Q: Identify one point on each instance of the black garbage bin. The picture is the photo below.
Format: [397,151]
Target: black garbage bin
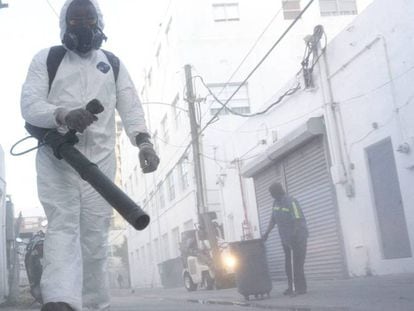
[252,273]
[171,272]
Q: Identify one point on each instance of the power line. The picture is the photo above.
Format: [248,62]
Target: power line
[244,82]
[257,66]
[248,53]
[53,9]
[289,92]
[404,73]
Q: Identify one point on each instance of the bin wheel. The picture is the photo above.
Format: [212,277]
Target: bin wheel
[188,283]
[208,281]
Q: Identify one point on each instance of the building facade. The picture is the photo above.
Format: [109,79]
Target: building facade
[4,290]
[222,41]
[343,148]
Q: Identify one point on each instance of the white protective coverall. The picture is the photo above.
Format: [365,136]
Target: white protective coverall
[75,248]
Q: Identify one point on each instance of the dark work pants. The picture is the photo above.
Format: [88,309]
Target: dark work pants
[296,254]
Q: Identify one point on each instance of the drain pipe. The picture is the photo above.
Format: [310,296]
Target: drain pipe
[342,168]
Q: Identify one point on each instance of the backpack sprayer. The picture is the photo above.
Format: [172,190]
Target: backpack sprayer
[63,148]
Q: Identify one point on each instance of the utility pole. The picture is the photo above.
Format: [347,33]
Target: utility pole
[195,141]
[202,209]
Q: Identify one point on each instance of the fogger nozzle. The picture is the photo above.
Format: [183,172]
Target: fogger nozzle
[63,148]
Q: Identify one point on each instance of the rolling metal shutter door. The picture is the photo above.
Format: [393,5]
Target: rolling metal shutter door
[308,180]
[274,252]
[306,176]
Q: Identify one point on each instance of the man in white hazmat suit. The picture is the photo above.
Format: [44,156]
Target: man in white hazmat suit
[75,249]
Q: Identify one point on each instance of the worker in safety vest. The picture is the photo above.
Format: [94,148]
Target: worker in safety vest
[293,232]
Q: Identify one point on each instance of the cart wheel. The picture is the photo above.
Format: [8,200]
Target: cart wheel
[188,283]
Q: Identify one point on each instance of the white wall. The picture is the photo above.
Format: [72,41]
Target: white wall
[3,259]
[371,71]
[214,50]
[382,74]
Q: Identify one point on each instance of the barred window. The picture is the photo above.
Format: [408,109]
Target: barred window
[338,7]
[291,8]
[226,12]
[239,103]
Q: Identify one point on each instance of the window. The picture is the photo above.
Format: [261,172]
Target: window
[149,77]
[142,92]
[137,251]
[338,7]
[239,103]
[131,184]
[156,250]
[184,173]
[188,225]
[136,175]
[167,29]
[149,254]
[143,254]
[171,186]
[175,246]
[226,12]
[161,195]
[155,141]
[165,246]
[176,111]
[157,55]
[164,128]
[291,8]
[151,204]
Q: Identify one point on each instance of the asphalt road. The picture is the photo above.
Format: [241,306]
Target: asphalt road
[134,303]
[154,304]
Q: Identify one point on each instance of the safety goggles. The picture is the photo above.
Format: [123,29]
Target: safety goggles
[82,21]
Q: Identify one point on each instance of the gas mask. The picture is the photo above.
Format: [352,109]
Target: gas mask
[82,32]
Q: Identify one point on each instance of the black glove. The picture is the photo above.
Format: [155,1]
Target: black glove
[148,159]
[77,119]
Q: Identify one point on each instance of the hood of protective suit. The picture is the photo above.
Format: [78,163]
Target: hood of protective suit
[62,21]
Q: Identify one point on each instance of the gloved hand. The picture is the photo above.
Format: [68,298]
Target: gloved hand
[265,236]
[148,159]
[77,119]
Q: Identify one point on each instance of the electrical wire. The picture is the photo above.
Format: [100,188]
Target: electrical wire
[404,73]
[258,65]
[289,92]
[247,54]
[213,119]
[370,132]
[53,9]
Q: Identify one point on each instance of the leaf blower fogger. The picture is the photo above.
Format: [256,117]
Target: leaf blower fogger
[63,148]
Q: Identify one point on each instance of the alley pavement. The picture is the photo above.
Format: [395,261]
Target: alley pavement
[376,293]
[393,292]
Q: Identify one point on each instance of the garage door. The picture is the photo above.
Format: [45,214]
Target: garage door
[304,173]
